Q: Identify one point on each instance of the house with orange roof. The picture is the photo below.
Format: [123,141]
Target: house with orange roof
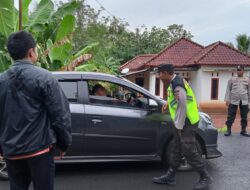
[206,68]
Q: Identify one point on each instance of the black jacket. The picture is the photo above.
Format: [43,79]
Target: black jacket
[34,112]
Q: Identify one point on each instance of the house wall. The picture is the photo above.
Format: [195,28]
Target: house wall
[224,74]
[161,89]
[131,78]
[207,74]
[152,82]
[195,83]
[205,85]
[200,81]
[146,80]
[144,75]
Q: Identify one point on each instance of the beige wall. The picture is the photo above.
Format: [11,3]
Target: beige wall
[131,78]
[146,80]
[144,75]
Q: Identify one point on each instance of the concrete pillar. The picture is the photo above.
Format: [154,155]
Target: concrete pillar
[152,81]
[161,89]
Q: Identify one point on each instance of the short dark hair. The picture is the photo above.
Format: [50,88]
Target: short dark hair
[19,44]
[97,87]
[165,67]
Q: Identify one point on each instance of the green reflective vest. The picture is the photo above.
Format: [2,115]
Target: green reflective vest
[192,109]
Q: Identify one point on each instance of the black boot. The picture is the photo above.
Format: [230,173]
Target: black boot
[168,178]
[245,133]
[205,180]
[228,133]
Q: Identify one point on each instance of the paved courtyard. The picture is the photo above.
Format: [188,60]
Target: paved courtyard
[230,172]
[219,120]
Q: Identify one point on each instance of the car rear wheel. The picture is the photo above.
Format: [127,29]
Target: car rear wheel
[185,166]
[3,171]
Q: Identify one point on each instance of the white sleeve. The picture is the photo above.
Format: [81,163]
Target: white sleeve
[181,112]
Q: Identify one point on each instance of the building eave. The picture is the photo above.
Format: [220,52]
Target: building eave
[186,68]
[135,72]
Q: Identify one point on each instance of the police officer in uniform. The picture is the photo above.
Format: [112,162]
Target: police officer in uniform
[238,94]
[184,113]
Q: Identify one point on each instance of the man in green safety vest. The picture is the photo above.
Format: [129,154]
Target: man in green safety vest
[182,106]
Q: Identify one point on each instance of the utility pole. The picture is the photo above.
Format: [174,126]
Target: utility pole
[20,15]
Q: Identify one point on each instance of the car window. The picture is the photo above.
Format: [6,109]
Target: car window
[70,90]
[111,94]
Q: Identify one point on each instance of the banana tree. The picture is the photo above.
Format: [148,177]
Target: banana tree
[103,65]
[8,23]
[52,29]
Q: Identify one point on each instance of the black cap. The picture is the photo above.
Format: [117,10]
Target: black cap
[166,67]
[240,67]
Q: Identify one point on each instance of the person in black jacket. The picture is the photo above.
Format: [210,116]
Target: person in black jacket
[34,117]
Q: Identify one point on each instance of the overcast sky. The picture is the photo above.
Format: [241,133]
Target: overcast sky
[208,20]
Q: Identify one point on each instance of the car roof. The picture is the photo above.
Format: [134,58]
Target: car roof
[80,75]
[75,75]
[71,75]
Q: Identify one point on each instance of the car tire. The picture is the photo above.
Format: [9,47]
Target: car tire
[3,171]
[184,166]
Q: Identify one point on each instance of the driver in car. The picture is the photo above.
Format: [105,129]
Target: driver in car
[132,99]
[99,90]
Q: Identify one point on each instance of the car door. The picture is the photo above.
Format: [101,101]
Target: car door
[71,89]
[116,129]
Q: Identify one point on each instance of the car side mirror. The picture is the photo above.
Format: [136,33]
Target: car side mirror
[153,105]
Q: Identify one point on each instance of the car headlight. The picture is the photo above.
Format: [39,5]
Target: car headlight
[205,121]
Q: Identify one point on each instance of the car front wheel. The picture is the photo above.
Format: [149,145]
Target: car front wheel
[185,166]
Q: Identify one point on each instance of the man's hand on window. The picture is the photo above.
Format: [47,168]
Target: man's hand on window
[164,108]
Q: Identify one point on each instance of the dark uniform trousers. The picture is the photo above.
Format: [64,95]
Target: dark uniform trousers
[232,110]
[40,170]
[185,145]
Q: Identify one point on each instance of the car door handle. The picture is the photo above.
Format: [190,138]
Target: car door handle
[95,121]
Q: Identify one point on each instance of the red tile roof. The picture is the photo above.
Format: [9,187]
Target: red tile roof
[186,53]
[202,53]
[177,53]
[220,54]
[137,63]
